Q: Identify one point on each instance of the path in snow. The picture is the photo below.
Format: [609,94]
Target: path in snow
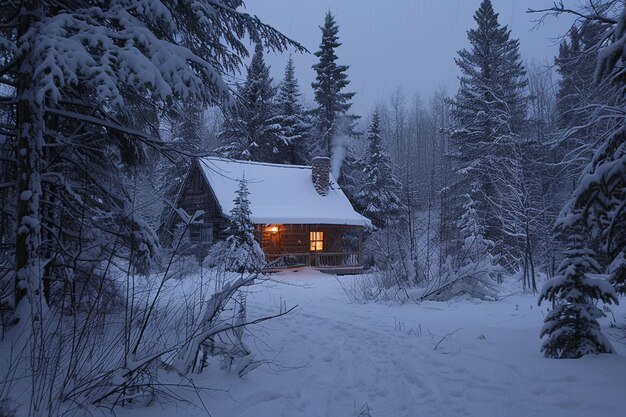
[331,358]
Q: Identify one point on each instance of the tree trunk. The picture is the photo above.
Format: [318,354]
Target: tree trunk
[30,127]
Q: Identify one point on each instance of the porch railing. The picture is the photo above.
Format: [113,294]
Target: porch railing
[337,260]
[320,260]
[287,260]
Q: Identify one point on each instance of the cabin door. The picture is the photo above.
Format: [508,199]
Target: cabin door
[275,242]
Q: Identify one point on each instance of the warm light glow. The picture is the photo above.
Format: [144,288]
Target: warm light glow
[273,229]
[317,241]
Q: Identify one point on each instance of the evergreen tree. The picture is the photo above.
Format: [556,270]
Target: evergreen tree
[351,174]
[596,208]
[290,116]
[571,79]
[240,252]
[189,135]
[598,201]
[84,115]
[474,272]
[571,327]
[330,82]
[581,101]
[489,111]
[379,194]
[249,131]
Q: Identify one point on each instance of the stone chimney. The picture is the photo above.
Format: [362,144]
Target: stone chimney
[321,174]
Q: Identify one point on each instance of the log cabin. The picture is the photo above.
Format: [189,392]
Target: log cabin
[301,215]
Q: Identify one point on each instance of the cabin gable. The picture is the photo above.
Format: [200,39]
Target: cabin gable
[196,194]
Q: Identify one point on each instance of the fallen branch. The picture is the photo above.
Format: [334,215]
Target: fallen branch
[445,337]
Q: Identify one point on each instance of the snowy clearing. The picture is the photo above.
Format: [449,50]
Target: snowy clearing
[461,358]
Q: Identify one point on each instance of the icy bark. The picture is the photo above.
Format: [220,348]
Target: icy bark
[30,142]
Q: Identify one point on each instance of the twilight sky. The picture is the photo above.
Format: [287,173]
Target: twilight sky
[407,43]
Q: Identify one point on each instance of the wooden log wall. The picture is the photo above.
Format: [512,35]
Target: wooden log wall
[295,238]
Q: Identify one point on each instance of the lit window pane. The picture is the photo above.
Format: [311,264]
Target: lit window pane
[317,241]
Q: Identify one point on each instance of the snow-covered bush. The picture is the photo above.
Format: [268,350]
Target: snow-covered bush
[473,270]
[375,286]
[234,257]
[126,356]
[472,279]
[186,266]
[397,268]
[390,269]
[470,271]
[386,249]
[218,332]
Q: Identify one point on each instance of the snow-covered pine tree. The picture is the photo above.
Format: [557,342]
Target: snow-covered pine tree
[597,207]
[295,126]
[249,130]
[571,79]
[598,202]
[240,252]
[571,327]
[379,194]
[489,110]
[474,272]
[582,102]
[329,86]
[98,101]
[351,173]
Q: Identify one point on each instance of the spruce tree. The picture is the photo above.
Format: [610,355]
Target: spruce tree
[240,252]
[83,90]
[351,175]
[595,213]
[329,86]
[600,193]
[248,130]
[294,124]
[580,99]
[379,194]
[571,327]
[571,81]
[474,272]
[489,111]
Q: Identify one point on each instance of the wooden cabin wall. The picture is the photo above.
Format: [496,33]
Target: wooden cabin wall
[291,238]
[294,238]
[197,195]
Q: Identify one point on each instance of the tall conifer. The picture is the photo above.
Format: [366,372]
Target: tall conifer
[329,86]
[489,111]
[379,194]
[294,124]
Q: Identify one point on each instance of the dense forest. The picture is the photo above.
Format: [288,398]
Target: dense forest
[519,175]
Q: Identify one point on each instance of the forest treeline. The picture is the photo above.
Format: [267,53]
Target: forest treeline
[522,171]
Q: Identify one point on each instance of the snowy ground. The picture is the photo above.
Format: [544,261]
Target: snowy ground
[462,358]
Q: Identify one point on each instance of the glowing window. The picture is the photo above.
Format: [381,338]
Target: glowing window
[317,241]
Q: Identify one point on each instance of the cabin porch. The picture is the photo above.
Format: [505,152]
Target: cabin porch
[329,248]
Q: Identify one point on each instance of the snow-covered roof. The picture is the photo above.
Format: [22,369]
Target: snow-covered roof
[279,194]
